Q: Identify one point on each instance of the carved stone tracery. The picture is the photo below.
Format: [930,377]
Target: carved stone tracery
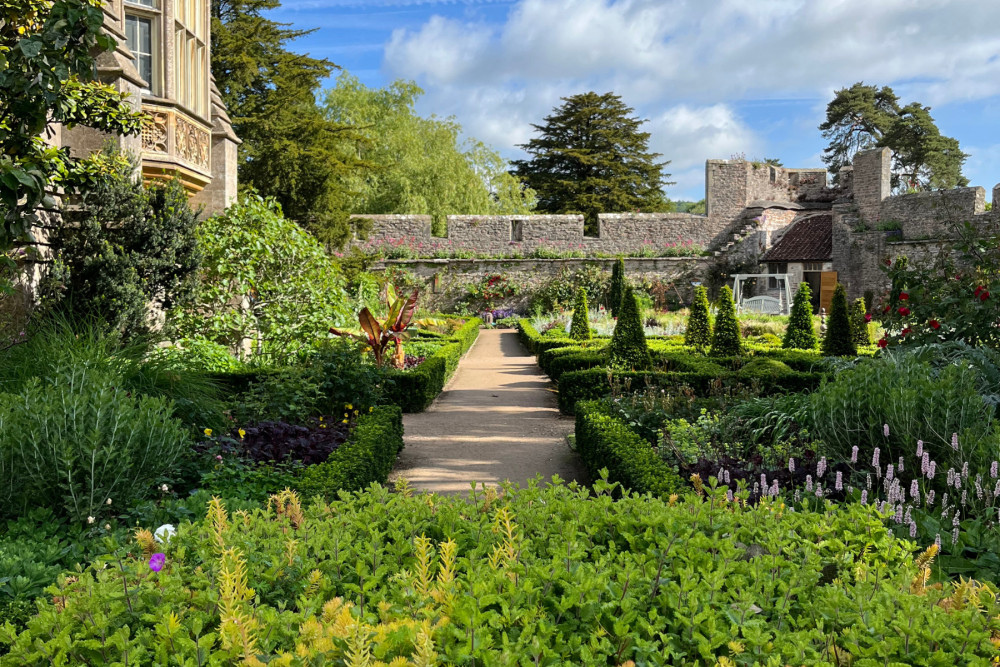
[193,143]
[154,134]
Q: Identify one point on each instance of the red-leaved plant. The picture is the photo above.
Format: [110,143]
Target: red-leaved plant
[378,336]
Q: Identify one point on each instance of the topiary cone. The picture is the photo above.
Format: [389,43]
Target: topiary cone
[699,323]
[617,288]
[628,347]
[839,338]
[580,328]
[800,334]
[726,339]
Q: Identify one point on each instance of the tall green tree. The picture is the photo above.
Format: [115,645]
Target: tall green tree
[617,287]
[839,338]
[591,157]
[291,150]
[800,333]
[418,165]
[47,76]
[698,333]
[726,339]
[864,116]
[628,348]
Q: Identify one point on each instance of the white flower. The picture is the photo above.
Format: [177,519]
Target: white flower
[108,501]
[107,526]
[164,532]
[90,519]
[164,488]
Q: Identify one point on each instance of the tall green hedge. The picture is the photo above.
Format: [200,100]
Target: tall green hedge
[839,338]
[628,348]
[726,339]
[580,328]
[617,288]
[699,323]
[800,334]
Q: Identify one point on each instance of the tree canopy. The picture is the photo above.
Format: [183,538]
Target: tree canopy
[291,150]
[863,116]
[591,157]
[47,75]
[419,165]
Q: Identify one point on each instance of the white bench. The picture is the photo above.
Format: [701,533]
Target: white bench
[762,304]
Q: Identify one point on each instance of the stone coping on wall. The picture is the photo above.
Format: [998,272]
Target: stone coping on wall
[640,263]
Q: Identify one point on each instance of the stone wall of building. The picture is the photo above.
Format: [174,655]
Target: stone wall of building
[934,214]
[625,233]
[444,282]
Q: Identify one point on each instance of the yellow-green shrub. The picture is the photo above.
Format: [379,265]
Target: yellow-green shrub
[540,576]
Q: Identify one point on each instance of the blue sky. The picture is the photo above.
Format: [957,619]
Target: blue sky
[715,78]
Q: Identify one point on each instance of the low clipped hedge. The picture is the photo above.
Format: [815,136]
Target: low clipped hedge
[604,441]
[366,458]
[414,390]
[592,383]
[546,576]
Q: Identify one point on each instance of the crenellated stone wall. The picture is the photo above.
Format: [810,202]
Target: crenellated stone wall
[620,233]
[924,215]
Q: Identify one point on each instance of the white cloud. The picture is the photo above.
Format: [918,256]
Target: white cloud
[685,63]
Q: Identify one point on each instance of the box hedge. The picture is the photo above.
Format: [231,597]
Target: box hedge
[415,389]
[605,442]
[366,458]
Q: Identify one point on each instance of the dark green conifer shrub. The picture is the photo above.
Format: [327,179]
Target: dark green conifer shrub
[860,324]
[699,323]
[628,347]
[617,290]
[580,329]
[839,338]
[800,334]
[726,339]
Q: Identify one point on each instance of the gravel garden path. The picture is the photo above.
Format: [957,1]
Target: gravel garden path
[496,420]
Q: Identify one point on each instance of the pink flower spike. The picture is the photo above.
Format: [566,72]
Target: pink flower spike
[885,430]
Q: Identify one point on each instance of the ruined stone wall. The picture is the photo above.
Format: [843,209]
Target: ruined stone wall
[871,182]
[625,233]
[445,281]
[935,214]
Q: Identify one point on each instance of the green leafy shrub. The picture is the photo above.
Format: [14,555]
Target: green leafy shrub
[57,342]
[859,323]
[78,438]
[201,354]
[800,333]
[382,575]
[560,291]
[124,246]
[628,348]
[915,400]
[606,442]
[580,329]
[616,290]
[764,368]
[839,338]
[698,333]
[726,340]
[264,281]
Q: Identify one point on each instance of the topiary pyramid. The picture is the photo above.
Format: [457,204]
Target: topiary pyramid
[862,336]
[617,288]
[628,347]
[580,328]
[699,324]
[726,339]
[839,338]
[800,334]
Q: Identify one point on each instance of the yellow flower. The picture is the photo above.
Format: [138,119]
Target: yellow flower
[321,419]
[208,432]
[242,433]
[355,413]
[371,409]
[350,407]
[345,421]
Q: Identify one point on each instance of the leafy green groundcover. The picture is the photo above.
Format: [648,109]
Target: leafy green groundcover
[550,576]
[414,390]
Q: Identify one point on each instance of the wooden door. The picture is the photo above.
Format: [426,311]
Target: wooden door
[827,283]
